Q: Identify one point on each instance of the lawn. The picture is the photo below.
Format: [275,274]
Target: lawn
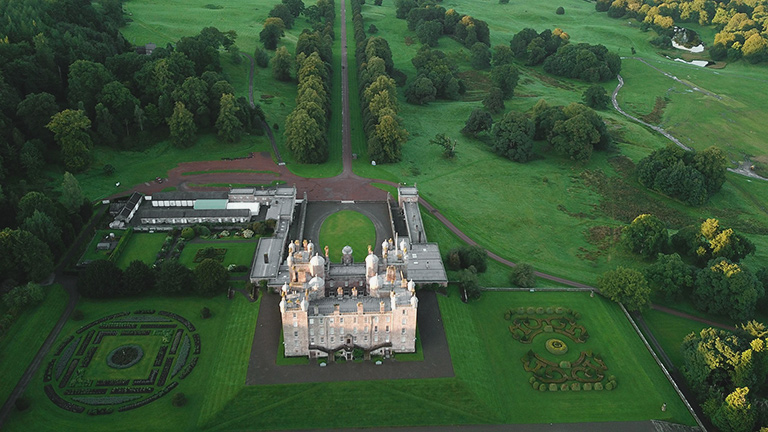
[100,370]
[142,247]
[670,330]
[238,252]
[19,345]
[344,228]
[220,373]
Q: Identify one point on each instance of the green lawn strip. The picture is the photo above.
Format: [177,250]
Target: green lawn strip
[642,386]
[230,365]
[282,360]
[670,330]
[386,403]
[187,173]
[21,341]
[142,247]
[238,253]
[347,227]
[161,414]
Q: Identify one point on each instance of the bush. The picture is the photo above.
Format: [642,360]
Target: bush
[22,404]
[179,400]
[560,11]
[205,313]
[372,29]
[523,275]
[565,364]
[587,386]
[609,386]
[575,386]
[77,315]
[532,379]
[543,388]
[540,310]
[598,386]
[553,387]
[563,387]
[188,233]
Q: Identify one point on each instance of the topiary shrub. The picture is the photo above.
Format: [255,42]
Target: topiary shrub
[560,11]
[22,404]
[565,364]
[179,400]
[507,315]
[609,386]
[188,233]
[553,387]
[540,310]
[559,310]
[532,379]
[520,310]
[543,388]
[547,328]
[550,311]
[613,385]
[587,386]
[77,315]
[530,310]
[598,386]
[535,385]
[205,313]
[563,387]
[575,386]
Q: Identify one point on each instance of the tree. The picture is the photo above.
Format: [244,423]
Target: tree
[282,12]
[560,11]
[523,275]
[389,139]
[212,278]
[182,126]
[24,257]
[32,202]
[736,414]
[646,235]
[575,138]
[31,157]
[513,137]
[179,400]
[138,278]
[100,279]
[627,286]
[295,6]
[494,100]
[71,194]
[35,111]
[85,81]
[726,288]
[261,57]
[712,164]
[429,32]
[472,256]
[596,97]
[281,65]
[70,129]
[505,77]
[304,138]
[502,55]
[372,29]
[669,277]
[420,91]
[43,227]
[229,126]
[120,102]
[274,29]
[194,94]
[479,121]
[22,296]
[481,56]
[755,48]
[448,144]
[174,278]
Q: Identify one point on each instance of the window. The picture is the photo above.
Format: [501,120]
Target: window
[312,340]
[404,321]
[388,318]
[330,331]
[330,320]
[376,319]
[354,330]
[354,320]
[341,319]
[387,329]
[365,338]
[366,319]
[311,332]
[375,329]
[322,330]
[321,320]
[295,323]
[322,339]
[311,320]
[332,339]
[295,334]
[402,339]
[402,331]
[366,329]
[294,314]
[405,311]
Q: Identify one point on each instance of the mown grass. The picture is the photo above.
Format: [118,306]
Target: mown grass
[238,253]
[226,339]
[91,253]
[347,228]
[20,343]
[670,330]
[142,247]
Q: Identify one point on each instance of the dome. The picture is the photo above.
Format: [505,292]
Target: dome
[371,260]
[316,283]
[347,250]
[317,261]
[403,245]
[375,282]
[414,302]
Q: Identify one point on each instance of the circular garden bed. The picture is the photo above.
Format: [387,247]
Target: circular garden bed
[121,362]
[556,346]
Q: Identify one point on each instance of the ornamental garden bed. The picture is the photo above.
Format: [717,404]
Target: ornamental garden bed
[103,371]
[556,359]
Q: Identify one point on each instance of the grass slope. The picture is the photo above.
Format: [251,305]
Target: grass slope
[20,343]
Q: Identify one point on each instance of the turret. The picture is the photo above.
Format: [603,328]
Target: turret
[414,302]
[393,300]
[317,266]
[371,265]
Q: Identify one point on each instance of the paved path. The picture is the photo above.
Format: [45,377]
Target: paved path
[263,370]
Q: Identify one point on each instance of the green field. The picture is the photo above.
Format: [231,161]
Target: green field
[344,228]
[19,345]
[670,330]
[100,370]
[219,375]
[238,252]
[142,247]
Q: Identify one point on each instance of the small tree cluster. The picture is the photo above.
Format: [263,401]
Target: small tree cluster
[689,176]
[468,256]
[479,121]
[447,143]
[646,235]
[523,275]
[591,63]
[513,137]
[533,48]
[710,240]
[574,130]
[435,78]
[627,286]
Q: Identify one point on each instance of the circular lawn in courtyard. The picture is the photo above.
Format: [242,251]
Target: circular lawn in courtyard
[344,228]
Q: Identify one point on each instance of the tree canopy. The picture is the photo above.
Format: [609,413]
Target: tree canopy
[627,286]
[646,235]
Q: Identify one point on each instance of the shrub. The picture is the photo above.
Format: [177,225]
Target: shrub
[540,310]
[587,386]
[560,11]
[77,315]
[576,386]
[523,275]
[22,403]
[598,386]
[612,383]
[372,29]
[179,400]
[547,329]
[531,310]
[188,233]
[205,313]
[543,388]
[535,384]
[563,387]
[559,311]
[507,315]
[609,386]
[521,310]
[553,387]
[532,379]
[550,311]
[565,364]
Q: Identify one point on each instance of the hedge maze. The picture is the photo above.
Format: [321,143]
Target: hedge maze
[581,370]
[121,362]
